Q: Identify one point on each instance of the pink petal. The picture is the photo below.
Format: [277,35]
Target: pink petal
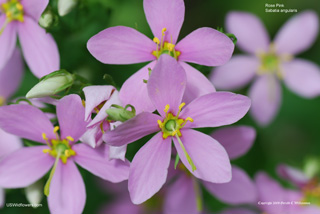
[134,90]
[67,190]
[302,77]
[95,95]
[216,109]
[70,113]
[121,45]
[249,30]
[265,94]
[240,190]
[141,125]
[24,166]
[197,83]
[11,75]
[149,169]
[8,143]
[270,190]
[298,33]
[206,46]
[181,197]
[102,115]
[237,140]
[118,152]
[293,175]
[39,48]
[167,84]
[237,73]
[167,14]
[26,121]
[8,40]
[34,8]
[96,162]
[210,158]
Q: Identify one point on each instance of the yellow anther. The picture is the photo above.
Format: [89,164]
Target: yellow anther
[44,136]
[9,14]
[189,119]
[67,153]
[163,30]
[181,106]
[166,109]
[56,129]
[160,124]
[83,103]
[156,40]
[170,46]
[72,152]
[19,6]
[70,138]
[46,150]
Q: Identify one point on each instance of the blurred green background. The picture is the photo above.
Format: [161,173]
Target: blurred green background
[293,137]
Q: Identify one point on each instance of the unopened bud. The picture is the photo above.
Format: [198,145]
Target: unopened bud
[65,6]
[51,84]
[118,113]
[34,192]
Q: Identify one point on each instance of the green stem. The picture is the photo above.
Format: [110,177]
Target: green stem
[176,161]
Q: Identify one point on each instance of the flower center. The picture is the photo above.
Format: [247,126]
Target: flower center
[172,124]
[312,192]
[13,10]
[271,61]
[165,47]
[59,147]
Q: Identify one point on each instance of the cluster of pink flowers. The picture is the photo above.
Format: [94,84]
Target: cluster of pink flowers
[167,97]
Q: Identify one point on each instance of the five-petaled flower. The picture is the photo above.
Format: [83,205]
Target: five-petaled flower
[65,187]
[124,45]
[270,62]
[202,155]
[20,17]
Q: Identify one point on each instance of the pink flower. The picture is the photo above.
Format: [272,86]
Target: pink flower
[10,78]
[20,17]
[203,156]
[124,45]
[270,62]
[184,195]
[27,165]
[98,100]
[271,191]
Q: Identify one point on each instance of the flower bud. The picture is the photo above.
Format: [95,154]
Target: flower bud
[46,20]
[51,84]
[65,6]
[34,192]
[118,113]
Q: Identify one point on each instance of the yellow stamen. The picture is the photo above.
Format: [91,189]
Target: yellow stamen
[171,46]
[70,138]
[166,108]
[163,30]
[83,103]
[160,124]
[19,6]
[44,136]
[56,129]
[156,40]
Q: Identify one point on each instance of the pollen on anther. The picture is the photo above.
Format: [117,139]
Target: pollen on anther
[44,136]
[56,129]
[156,40]
[70,138]
[166,108]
